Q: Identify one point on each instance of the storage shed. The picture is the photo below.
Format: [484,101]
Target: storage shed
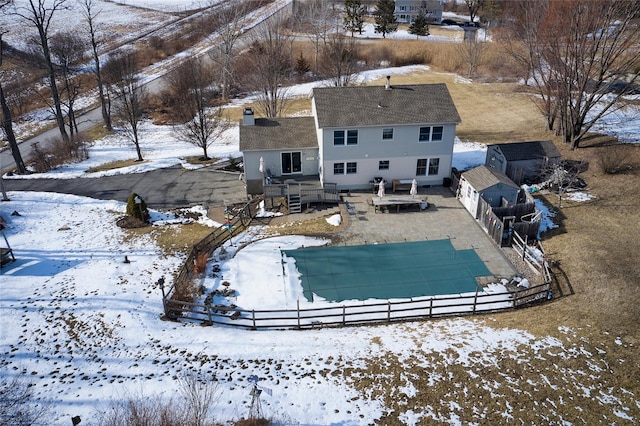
[491,185]
[522,161]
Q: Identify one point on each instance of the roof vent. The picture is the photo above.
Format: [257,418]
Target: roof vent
[388,85]
[248,119]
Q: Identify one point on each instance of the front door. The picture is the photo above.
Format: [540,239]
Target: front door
[291,163]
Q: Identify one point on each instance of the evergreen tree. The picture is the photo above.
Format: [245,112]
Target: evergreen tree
[419,27]
[354,12]
[385,18]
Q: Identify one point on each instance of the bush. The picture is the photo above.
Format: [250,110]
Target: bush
[59,152]
[611,159]
[138,210]
[193,405]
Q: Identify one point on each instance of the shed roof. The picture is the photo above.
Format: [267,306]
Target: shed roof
[375,105]
[483,177]
[278,133]
[516,151]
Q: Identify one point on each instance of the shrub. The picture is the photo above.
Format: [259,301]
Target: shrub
[138,210]
[59,152]
[611,159]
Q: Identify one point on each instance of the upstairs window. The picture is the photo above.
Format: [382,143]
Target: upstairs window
[352,137]
[387,134]
[436,133]
[425,134]
[383,165]
[428,134]
[338,137]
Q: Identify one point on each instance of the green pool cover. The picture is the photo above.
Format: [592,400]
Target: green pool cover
[387,271]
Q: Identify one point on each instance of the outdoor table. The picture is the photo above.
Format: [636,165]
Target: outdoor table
[397,201]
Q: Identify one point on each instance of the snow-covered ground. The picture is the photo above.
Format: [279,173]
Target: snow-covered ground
[84,327]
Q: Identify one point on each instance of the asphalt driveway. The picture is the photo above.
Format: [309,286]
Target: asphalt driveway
[161,189]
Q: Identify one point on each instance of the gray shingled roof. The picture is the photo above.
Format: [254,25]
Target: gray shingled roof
[516,151]
[278,133]
[483,177]
[376,106]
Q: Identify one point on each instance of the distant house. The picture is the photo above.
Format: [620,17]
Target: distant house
[488,184]
[522,161]
[356,134]
[407,10]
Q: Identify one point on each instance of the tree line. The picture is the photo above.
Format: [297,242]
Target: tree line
[573,53]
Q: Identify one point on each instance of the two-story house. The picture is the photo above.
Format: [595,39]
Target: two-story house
[356,134]
[407,10]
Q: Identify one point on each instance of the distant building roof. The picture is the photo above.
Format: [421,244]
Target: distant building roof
[483,177]
[278,133]
[375,105]
[517,151]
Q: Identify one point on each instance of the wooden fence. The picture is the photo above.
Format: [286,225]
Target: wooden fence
[351,314]
[343,315]
[240,220]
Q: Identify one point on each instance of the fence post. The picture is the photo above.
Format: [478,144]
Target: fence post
[253,318]
[475,299]
[344,313]
[298,312]
[209,313]
[431,307]
[524,247]
[389,311]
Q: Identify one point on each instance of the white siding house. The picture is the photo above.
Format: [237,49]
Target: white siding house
[407,10]
[364,132]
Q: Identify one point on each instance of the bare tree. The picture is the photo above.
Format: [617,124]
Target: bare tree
[317,19]
[473,6]
[471,51]
[229,21]
[200,393]
[339,59]
[18,405]
[67,49]
[193,94]
[270,65]
[7,123]
[576,50]
[39,13]
[130,94]
[90,16]
[561,177]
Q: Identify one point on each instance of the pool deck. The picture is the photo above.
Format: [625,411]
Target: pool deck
[445,218]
